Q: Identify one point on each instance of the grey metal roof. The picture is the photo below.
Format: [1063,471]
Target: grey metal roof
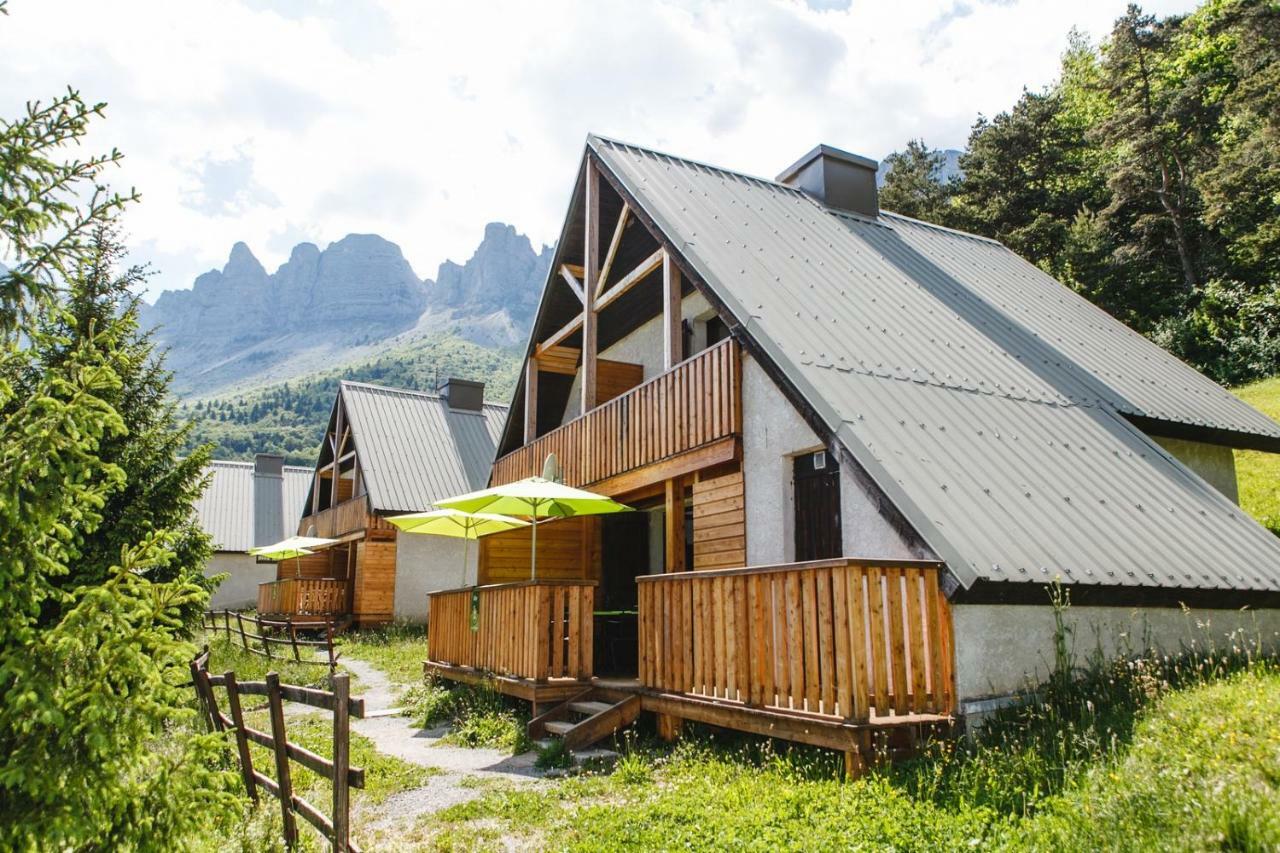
[982,396]
[226,508]
[414,449]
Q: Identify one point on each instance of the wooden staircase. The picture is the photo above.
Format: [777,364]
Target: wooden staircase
[590,716]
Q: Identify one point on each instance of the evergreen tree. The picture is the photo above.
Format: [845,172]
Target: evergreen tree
[914,186]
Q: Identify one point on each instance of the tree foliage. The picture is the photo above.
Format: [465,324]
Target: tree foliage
[1148,178]
[96,745]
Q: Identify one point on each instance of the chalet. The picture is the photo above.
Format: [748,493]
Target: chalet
[861,447]
[247,504]
[385,451]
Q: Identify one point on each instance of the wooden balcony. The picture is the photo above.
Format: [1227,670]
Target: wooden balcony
[303,597]
[846,640]
[696,404]
[531,630]
[341,519]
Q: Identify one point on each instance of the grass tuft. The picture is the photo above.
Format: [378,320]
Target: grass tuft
[478,716]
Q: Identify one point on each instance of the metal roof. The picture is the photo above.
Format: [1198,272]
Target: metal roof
[986,399]
[226,508]
[414,449]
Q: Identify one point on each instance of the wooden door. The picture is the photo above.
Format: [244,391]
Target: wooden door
[817,493]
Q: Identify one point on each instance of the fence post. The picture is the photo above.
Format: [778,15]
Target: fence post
[293,637]
[226,623]
[341,762]
[242,740]
[281,748]
[328,636]
[244,641]
[262,635]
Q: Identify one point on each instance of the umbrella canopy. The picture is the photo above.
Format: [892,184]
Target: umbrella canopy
[536,498]
[294,546]
[453,522]
[458,524]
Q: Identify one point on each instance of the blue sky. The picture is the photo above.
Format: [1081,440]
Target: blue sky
[278,122]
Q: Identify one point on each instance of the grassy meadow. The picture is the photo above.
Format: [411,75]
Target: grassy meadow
[1257,473]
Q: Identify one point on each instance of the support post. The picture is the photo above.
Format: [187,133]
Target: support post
[341,763]
[275,701]
[531,399]
[672,339]
[673,512]
[669,727]
[590,280]
[242,740]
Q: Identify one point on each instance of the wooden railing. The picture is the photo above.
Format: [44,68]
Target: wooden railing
[841,638]
[531,629]
[349,516]
[695,403]
[319,596]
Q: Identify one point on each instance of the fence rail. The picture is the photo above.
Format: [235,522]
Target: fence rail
[288,626]
[840,638]
[531,629]
[338,770]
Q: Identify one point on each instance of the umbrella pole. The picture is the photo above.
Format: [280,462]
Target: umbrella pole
[466,552]
[533,559]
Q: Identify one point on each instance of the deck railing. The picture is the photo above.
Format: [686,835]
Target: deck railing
[695,403]
[841,638]
[349,516]
[531,629]
[295,596]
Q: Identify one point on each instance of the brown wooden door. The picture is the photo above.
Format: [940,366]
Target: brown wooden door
[817,493]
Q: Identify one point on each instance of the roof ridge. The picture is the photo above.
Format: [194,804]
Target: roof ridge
[409,392]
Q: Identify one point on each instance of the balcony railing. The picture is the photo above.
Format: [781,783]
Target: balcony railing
[532,629]
[303,596]
[695,403]
[349,516]
[846,639]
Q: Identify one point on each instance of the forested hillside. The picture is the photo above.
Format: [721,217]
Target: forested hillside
[1147,177]
[290,417]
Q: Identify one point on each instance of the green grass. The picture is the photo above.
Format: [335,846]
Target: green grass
[478,716]
[1257,473]
[224,655]
[397,650]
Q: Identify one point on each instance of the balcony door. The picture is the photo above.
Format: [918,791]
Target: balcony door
[817,500]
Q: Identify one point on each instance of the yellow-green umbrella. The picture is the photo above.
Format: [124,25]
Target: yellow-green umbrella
[535,498]
[456,523]
[288,549]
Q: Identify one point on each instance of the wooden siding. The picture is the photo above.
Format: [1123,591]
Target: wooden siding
[615,378]
[719,522]
[696,403]
[568,549]
[349,516]
[302,596]
[317,565]
[535,630]
[842,638]
[375,582]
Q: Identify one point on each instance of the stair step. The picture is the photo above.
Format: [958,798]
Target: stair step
[589,708]
[556,727]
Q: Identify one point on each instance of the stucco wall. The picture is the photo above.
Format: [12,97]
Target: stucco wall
[425,564]
[643,347]
[1215,464]
[239,589]
[1001,647]
[773,433]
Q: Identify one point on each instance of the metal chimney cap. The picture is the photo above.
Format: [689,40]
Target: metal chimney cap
[831,152]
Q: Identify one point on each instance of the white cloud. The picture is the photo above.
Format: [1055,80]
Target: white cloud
[274,122]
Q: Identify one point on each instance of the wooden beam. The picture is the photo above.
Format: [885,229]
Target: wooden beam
[558,359]
[673,510]
[339,428]
[570,280]
[564,332]
[716,453]
[575,269]
[531,399]
[590,281]
[672,338]
[630,280]
[613,248]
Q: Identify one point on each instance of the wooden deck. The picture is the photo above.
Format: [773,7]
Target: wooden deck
[303,597]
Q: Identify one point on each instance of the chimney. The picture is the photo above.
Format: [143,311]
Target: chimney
[837,179]
[268,498]
[463,394]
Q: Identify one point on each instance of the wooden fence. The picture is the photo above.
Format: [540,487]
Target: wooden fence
[317,597]
[530,629]
[841,638]
[343,777]
[695,403]
[264,627]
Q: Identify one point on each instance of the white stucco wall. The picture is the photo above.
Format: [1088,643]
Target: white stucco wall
[1215,464]
[425,564]
[643,347]
[1001,648]
[773,433]
[239,589]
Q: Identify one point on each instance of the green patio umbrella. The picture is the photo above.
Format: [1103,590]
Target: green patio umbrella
[458,524]
[291,548]
[535,498]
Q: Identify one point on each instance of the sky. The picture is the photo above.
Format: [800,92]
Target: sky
[281,121]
